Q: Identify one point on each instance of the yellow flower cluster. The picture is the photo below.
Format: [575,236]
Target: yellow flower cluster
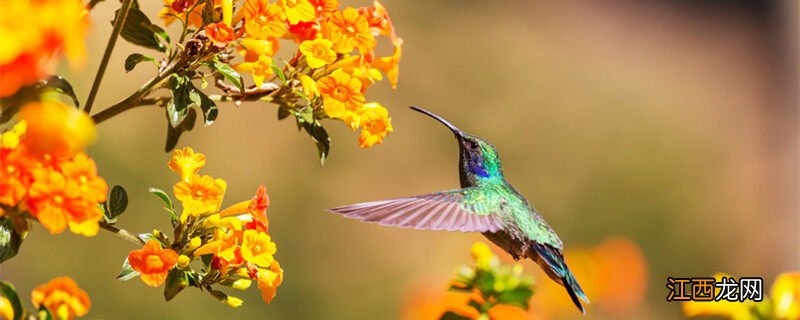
[33,32]
[236,238]
[335,62]
[44,172]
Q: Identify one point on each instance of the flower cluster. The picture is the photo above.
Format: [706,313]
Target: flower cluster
[233,245]
[783,302]
[33,32]
[334,65]
[45,175]
[60,298]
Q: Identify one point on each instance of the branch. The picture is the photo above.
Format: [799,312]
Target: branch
[118,23]
[122,233]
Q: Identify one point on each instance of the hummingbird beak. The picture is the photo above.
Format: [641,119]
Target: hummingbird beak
[455,130]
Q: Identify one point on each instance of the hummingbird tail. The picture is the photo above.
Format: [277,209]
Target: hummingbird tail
[552,261]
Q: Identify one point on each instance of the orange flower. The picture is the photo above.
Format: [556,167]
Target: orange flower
[55,201]
[153,262]
[269,281]
[251,49]
[258,206]
[180,8]
[297,10]
[62,297]
[30,43]
[260,69]
[303,31]
[186,162]
[14,176]
[56,129]
[349,30]
[324,8]
[83,171]
[342,97]
[258,248]
[318,52]
[390,66]
[221,34]
[378,18]
[375,125]
[224,245]
[200,194]
[263,20]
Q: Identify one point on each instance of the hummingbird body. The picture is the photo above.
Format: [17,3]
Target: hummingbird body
[486,203]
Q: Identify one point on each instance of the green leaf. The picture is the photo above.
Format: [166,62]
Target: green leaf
[159,32]
[484,281]
[8,291]
[117,202]
[177,108]
[279,73]
[164,197]
[132,60]
[518,296]
[228,73]
[450,315]
[208,107]
[173,134]
[10,240]
[283,111]
[320,138]
[140,31]
[176,281]
[127,272]
[62,86]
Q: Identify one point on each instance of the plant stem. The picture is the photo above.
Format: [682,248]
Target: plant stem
[118,23]
[122,233]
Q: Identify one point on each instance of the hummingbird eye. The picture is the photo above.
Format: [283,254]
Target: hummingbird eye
[473,145]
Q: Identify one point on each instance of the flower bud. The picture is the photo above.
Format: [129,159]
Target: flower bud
[241,284]
[183,261]
[233,302]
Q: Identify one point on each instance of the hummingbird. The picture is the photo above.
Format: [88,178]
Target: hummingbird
[486,203]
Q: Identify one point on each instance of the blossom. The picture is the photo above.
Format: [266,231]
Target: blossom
[324,8]
[251,49]
[10,138]
[62,297]
[318,52]
[349,30]
[309,86]
[223,245]
[6,309]
[785,295]
[56,129]
[258,248]
[56,202]
[200,194]
[303,31]
[260,69]
[342,97]
[30,43]
[390,66]
[269,280]
[177,9]
[263,20]
[258,206]
[153,262]
[378,18]
[375,125]
[83,171]
[221,34]
[186,162]
[297,10]
[15,177]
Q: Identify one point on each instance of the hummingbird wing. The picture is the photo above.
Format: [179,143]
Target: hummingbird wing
[445,210]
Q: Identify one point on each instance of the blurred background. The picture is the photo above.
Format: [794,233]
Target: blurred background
[658,138]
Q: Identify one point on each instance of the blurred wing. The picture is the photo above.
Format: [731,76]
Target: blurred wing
[436,211]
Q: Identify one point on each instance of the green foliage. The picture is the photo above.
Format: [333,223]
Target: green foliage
[140,31]
[227,72]
[177,280]
[10,240]
[117,203]
[132,60]
[7,290]
[167,204]
[127,272]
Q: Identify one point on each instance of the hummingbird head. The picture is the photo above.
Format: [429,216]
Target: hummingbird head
[478,158]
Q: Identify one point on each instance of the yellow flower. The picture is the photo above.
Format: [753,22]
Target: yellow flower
[200,194]
[223,245]
[785,296]
[341,97]
[186,162]
[62,297]
[263,20]
[10,139]
[227,11]
[390,65]
[309,86]
[6,310]
[348,30]
[258,248]
[260,69]
[56,129]
[297,10]
[481,254]
[324,8]
[251,49]
[375,125]
[269,281]
[318,52]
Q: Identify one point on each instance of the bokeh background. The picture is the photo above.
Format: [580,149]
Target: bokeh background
[661,131]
